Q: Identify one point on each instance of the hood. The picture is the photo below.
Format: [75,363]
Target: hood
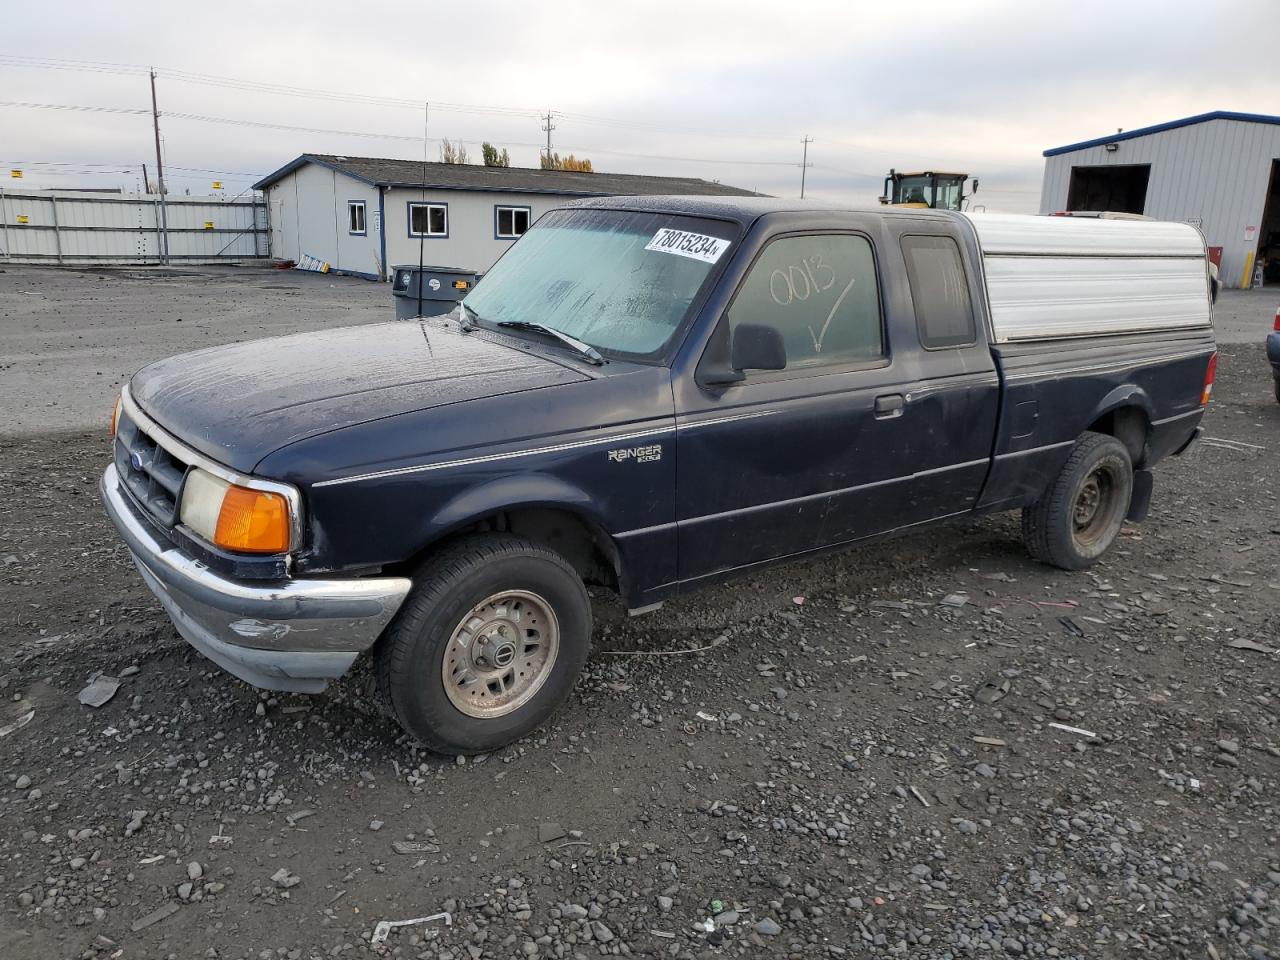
[238,403]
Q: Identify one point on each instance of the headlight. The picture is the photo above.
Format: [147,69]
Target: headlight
[235,517]
[115,415]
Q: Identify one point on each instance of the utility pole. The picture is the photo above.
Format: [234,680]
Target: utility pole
[804,163]
[164,213]
[548,126]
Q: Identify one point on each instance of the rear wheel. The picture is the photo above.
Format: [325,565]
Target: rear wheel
[1079,516]
[488,644]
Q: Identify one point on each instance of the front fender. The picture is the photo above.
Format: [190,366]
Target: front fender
[510,493]
[541,492]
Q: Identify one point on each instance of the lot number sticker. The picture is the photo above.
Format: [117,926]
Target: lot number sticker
[696,246]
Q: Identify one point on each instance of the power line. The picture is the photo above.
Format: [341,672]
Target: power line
[84,172]
[265,125]
[654,156]
[54,163]
[224,173]
[279,89]
[848,172]
[261,124]
[641,124]
[71,106]
[54,63]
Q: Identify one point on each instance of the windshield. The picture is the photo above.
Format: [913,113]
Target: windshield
[618,280]
[916,190]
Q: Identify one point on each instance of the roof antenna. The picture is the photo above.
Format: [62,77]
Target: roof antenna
[422,237]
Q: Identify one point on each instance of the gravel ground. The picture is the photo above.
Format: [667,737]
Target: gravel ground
[835,758]
[1245,316]
[69,339]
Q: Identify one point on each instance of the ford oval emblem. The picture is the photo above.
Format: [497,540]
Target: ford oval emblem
[135,459]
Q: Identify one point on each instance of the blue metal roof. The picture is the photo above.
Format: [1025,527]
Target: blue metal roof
[1161,127]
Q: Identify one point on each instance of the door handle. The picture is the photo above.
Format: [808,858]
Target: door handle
[889,405]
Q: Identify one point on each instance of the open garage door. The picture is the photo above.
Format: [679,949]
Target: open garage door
[1118,189]
[1269,240]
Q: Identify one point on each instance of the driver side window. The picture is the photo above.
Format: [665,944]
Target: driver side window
[820,293]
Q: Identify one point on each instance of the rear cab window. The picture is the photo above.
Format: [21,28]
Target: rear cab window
[939,291]
[820,292]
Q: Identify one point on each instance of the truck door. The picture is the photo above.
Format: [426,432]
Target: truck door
[954,390]
[845,442]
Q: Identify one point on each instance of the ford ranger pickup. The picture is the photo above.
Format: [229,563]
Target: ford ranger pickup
[650,395]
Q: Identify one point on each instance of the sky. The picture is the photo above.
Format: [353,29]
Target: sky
[720,90]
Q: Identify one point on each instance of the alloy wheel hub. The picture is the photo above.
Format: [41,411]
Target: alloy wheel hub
[501,654]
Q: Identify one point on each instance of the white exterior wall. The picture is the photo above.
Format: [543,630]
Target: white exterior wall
[471,244]
[309,216]
[1213,174]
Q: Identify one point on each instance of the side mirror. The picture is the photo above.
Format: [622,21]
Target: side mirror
[757,347]
[753,346]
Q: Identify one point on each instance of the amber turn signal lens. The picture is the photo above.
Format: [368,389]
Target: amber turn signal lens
[115,416]
[253,521]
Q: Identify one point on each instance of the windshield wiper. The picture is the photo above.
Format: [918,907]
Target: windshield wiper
[586,349]
[467,325]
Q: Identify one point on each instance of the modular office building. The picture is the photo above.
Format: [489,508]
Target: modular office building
[1219,171]
[364,215]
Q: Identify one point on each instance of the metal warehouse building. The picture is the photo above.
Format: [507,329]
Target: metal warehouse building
[1219,171]
[364,215]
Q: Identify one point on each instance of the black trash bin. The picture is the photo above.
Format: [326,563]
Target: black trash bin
[441,288]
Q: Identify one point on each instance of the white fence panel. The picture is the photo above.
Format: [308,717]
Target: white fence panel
[49,227]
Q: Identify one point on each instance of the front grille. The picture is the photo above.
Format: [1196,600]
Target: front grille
[150,472]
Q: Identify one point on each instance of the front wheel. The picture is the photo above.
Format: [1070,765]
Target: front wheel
[487,645]
[1079,516]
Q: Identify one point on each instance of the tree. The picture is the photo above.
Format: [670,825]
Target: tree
[493,157]
[554,161]
[452,152]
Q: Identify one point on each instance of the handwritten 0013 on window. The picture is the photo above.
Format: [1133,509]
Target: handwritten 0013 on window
[796,283]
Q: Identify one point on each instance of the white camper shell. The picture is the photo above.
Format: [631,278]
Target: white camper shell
[1053,277]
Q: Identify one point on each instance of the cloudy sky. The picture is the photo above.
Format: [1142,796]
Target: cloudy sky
[721,90]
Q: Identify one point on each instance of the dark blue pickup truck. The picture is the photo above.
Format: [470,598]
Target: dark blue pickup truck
[649,394]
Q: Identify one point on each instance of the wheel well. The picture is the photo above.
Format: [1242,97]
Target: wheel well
[1129,425]
[585,545]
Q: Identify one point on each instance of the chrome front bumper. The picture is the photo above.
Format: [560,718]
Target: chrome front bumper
[292,635]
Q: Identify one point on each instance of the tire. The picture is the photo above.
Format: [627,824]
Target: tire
[1080,514]
[489,605]
[1276,384]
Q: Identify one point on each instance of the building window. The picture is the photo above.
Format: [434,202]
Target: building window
[428,219]
[355,217]
[510,222]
